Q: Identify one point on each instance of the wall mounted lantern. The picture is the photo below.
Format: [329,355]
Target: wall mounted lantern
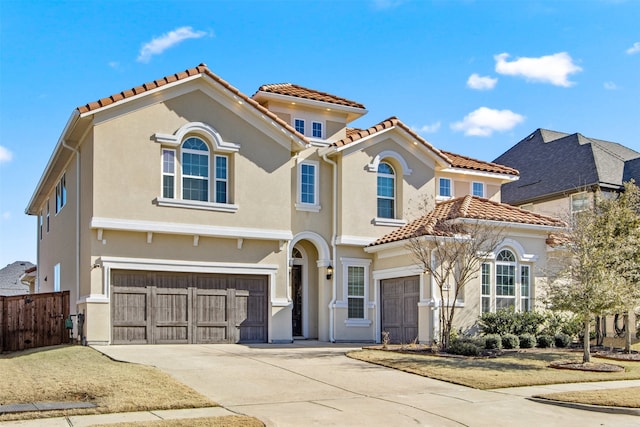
[329,272]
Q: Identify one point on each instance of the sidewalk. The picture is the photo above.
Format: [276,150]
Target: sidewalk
[91,420]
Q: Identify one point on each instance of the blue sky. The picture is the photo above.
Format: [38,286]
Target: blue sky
[472,77]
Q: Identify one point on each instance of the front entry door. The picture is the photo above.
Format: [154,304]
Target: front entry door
[296,295]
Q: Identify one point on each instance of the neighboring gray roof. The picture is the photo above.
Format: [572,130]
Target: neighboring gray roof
[553,163]
[10,278]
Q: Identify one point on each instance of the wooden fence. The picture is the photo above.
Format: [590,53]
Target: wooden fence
[34,320]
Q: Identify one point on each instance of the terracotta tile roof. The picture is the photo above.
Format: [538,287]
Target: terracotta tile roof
[200,69]
[290,89]
[436,222]
[455,160]
[465,162]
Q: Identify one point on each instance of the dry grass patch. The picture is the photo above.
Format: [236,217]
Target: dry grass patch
[226,421]
[516,369]
[628,397]
[75,373]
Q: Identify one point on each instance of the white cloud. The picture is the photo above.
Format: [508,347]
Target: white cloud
[159,44]
[432,128]
[484,121]
[481,83]
[610,86]
[6,215]
[634,49]
[114,64]
[5,155]
[554,69]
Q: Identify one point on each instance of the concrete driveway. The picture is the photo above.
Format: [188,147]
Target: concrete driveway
[314,384]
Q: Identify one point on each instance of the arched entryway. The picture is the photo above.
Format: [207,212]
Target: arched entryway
[309,288]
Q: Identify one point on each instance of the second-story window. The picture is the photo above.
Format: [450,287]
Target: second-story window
[221,179]
[579,202]
[168,173]
[195,170]
[298,124]
[444,187]
[477,189]
[316,129]
[61,193]
[386,191]
[308,182]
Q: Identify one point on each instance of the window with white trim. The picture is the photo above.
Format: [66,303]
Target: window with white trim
[386,191]
[168,173]
[486,287]
[356,292]
[525,288]
[61,193]
[196,177]
[505,283]
[316,129]
[477,189]
[48,215]
[579,202]
[308,198]
[444,187]
[40,223]
[56,278]
[298,124]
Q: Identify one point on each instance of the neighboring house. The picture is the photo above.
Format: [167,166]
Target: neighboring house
[559,172]
[14,278]
[184,211]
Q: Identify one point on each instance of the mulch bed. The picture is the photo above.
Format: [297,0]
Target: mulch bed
[589,366]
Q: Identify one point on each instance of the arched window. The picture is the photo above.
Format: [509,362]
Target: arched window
[195,170]
[386,191]
[505,279]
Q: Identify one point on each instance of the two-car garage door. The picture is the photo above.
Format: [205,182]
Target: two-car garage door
[189,308]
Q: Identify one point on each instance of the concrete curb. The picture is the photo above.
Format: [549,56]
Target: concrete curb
[587,407]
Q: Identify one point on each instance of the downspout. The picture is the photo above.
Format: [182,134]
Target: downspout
[77,153]
[334,231]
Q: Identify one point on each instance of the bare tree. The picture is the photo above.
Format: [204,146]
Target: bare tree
[451,251]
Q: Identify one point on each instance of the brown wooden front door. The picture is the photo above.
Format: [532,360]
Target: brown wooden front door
[189,308]
[399,298]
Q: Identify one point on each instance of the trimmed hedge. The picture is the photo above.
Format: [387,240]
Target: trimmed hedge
[545,341]
[562,340]
[510,341]
[527,341]
[493,342]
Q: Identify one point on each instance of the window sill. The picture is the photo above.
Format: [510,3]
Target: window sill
[191,204]
[308,208]
[442,198]
[389,222]
[357,323]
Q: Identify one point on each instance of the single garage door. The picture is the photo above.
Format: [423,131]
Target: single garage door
[189,308]
[400,299]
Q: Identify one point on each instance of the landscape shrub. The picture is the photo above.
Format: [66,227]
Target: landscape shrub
[527,341]
[492,342]
[556,323]
[545,341]
[464,347]
[508,321]
[510,341]
[562,340]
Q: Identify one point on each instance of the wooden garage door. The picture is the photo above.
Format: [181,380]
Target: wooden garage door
[400,299]
[158,307]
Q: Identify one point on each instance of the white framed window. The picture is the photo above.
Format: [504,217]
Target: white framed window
[386,191]
[579,202]
[356,290]
[308,183]
[56,278]
[444,187]
[195,170]
[486,287]
[221,178]
[298,124]
[505,279]
[316,129]
[40,224]
[61,193]
[477,189]
[525,288]
[168,173]
[48,215]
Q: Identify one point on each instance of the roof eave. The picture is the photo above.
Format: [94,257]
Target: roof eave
[505,177]
[510,224]
[351,112]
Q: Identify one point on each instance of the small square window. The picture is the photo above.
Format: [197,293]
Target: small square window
[317,129]
[579,202]
[298,124]
[478,189]
[444,188]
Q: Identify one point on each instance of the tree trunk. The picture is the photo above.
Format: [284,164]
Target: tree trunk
[627,335]
[586,357]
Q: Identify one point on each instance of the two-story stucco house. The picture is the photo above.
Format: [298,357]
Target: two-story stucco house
[184,211]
